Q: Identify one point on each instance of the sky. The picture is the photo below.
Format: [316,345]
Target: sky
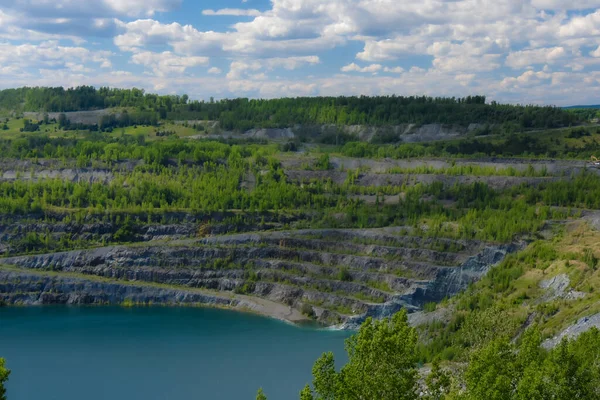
[515,51]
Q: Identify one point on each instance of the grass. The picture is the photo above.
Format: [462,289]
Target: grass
[369,299]
[380,285]
[149,132]
[15,126]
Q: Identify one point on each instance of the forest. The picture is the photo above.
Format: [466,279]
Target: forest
[210,176]
[244,114]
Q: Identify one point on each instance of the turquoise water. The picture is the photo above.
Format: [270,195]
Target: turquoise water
[114,353]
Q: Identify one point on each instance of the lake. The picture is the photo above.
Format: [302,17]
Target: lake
[68,353]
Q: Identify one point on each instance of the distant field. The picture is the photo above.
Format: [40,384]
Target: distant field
[16,124]
[150,131]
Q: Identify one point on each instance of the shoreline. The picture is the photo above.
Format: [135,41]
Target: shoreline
[29,288]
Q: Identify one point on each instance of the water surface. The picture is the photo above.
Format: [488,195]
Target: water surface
[64,353]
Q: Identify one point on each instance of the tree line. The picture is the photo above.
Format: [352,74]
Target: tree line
[243,114]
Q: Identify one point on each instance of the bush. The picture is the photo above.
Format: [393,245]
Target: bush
[323,163]
[308,310]
[289,147]
[345,275]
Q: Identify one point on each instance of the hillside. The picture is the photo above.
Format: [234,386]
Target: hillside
[477,231]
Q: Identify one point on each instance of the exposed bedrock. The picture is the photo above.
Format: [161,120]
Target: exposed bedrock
[343,275]
[23,288]
[447,283]
[378,180]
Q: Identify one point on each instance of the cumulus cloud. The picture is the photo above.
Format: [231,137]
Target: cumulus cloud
[75,19]
[394,70]
[581,26]
[81,9]
[291,63]
[141,7]
[513,50]
[565,4]
[167,63]
[373,68]
[239,69]
[525,58]
[234,12]
[50,55]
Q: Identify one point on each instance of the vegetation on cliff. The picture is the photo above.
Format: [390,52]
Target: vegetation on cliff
[4,374]
[383,365]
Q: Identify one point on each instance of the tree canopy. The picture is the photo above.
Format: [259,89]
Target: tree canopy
[4,374]
[243,114]
[382,365]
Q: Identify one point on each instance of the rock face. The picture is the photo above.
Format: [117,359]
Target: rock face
[65,174]
[371,179]
[409,133]
[558,287]
[344,276]
[32,289]
[405,132]
[572,332]
[76,117]
[447,283]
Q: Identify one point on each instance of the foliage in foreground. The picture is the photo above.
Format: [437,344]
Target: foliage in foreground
[383,365]
[4,373]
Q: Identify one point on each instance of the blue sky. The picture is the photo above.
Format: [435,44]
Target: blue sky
[518,51]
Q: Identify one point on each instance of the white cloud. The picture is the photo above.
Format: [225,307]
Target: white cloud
[394,70]
[81,9]
[291,63]
[51,55]
[526,58]
[391,49]
[235,12]
[565,4]
[239,69]
[167,63]
[141,7]
[373,68]
[588,25]
[528,78]
[451,47]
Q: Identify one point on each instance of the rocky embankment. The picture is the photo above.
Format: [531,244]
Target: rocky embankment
[573,331]
[34,288]
[338,277]
[408,133]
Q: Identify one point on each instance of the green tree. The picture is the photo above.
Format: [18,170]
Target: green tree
[438,383]
[306,393]
[381,364]
[260,395]
[503,371]
[491,373]
[4,373]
